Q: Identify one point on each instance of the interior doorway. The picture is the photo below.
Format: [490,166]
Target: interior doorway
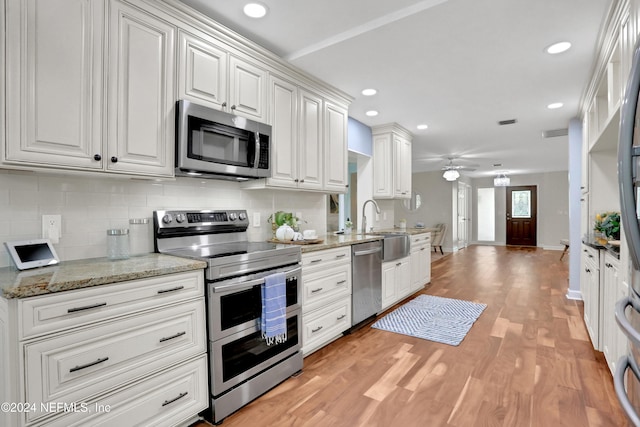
[464,214]
[522,207]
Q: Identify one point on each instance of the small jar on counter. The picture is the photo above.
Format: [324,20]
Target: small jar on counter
[141,237]
[118,243]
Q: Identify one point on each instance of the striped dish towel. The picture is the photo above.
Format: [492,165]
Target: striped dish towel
[273,322]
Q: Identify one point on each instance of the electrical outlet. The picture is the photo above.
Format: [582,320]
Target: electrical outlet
[256,219]
[52,227]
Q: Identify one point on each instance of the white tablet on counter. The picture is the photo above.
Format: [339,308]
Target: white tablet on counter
[34,253]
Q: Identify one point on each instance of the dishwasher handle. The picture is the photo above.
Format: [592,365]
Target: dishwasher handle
[367,252]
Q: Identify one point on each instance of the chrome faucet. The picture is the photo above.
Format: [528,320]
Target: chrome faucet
[364,217]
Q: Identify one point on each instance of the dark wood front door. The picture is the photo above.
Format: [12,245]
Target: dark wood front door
[522,205]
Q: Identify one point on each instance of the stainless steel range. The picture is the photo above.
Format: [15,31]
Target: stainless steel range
[242,365]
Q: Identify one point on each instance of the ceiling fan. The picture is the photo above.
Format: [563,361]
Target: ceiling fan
[451,170]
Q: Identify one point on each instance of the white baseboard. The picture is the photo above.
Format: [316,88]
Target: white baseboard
[574,295]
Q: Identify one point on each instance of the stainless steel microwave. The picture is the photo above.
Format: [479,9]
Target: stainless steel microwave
[220,145]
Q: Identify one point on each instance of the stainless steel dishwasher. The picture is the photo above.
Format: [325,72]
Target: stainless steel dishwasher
[366,280]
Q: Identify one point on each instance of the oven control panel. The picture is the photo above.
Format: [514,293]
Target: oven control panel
[201,218]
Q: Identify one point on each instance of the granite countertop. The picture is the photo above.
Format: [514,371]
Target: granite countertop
[331,241]
[591,241]
[77,274]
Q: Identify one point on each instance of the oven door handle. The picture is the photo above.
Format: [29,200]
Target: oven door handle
[223,287]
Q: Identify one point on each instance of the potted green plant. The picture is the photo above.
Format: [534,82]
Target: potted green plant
[608,223]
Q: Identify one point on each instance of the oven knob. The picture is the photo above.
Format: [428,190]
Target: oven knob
[242,216]
[180,218]
[233,216]
[167,219]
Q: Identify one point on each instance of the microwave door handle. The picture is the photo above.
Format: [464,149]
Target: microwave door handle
[257,153]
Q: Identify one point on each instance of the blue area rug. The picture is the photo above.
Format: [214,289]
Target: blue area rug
[443,320]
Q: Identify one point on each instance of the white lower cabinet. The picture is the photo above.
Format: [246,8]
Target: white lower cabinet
[420,260]
[396,281]
[590,289]
[132,353]
[326,296]
[614,342]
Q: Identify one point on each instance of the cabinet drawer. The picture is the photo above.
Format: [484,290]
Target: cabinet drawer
[313,261]
[166,399]
[325,324]
[591,254]
[418,239]
[319,287]
[70,309]
[76,366]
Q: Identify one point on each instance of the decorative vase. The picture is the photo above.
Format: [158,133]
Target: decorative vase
[284,233]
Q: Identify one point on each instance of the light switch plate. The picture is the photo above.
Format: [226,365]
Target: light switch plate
[256,219]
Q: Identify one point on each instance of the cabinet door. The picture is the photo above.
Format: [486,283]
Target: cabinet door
[335,166]
[388,284]
[420,266]
[402,168]
[609,326]
[382,167]
[403,278]
[141,116]
[202,71]
[247,89]
[284,167]
[54,61]
[592,306]
[310,142]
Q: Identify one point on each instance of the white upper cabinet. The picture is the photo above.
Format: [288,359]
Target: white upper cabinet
[310,155]
[141,116]
[391,162]
[284,132]
[54,70]
[248,86]
[202,71]
[335,148]
[55,63]
[211,75]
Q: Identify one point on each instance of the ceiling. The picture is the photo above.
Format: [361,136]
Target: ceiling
[459,66]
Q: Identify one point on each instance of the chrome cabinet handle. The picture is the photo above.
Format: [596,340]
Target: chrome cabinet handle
[341,317]
[88,307]
[341,256]
[313,261]
[77,368]
[224,104]
[316,329]
[179,334]
[422,249]
[164,291]
[341,282]
[180,396]
[398,264]
[313,291]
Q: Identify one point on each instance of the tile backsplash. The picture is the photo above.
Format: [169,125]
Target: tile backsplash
[90,205]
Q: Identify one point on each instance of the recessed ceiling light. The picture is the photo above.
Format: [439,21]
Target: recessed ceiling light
[255,10]
[558,47]
[422,127]
[371,113]
[555,105]
[369,92]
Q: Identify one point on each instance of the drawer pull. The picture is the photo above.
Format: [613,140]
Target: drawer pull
[341,256]
[180,396]
[313,291]
[179,334]
[316,329]
[77,368]
[164,291]
[341,282]
[398,264]
[342,317]
[313,261]
[422,249]
[88,307]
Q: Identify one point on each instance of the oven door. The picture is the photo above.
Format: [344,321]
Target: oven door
[239,357]
[235,304]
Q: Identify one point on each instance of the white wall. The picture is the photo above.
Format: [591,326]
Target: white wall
[90,205]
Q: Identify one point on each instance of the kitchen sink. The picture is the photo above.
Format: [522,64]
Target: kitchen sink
[395,246]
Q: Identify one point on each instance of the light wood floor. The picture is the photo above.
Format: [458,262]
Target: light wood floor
[527,361]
